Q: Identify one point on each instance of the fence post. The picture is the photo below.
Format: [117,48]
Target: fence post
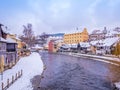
[2,86]
[21,72]
[12,79]
[8,82]
[16,77]
[18,74]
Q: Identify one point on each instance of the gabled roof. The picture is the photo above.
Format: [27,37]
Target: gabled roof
[105,42]
[9,40]
[110,41]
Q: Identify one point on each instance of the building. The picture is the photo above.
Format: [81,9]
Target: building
[11,52]
[104,46]
[76,37]
[113,33]
[57,35]
[98,35]
[54,45]
[57,38]
[8,50]
[2,54]
[16,39]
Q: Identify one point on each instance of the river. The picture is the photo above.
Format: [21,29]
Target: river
[66,72]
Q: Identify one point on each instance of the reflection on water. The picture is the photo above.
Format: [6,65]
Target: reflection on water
[72,73]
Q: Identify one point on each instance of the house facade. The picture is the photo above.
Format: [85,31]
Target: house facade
[11,51]
[8,50]
[17,40]
[76,37]
[98,34]
[3,55]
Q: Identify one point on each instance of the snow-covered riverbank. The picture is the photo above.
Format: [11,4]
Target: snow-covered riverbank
[31,66]
[105,59]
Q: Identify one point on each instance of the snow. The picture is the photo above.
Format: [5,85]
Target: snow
[84,44]
[109,58]
[106,59]
[54,38]
[31,65]
[38,47]
[110,41]
[105,42]
[117,84]
[17,38]
[2,39]
[73,45]
[94,42]
[65,46]
[59,41]
[9,40]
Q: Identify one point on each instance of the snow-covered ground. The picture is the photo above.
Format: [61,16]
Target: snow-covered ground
[106,59]
[31,66]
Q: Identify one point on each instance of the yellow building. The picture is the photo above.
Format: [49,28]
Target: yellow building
[18,41]
[76,37]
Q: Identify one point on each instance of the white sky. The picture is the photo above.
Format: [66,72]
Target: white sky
[54,16]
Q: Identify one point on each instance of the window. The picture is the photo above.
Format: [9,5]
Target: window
[11,47]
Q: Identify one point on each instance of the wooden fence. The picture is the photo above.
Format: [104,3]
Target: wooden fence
[12,80]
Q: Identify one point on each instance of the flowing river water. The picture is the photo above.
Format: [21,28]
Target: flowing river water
[66,72]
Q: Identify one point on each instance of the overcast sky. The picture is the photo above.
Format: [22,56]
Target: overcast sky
[59,16]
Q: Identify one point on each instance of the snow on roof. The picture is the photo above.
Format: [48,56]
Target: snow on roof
[84,44]
[55,37]
[17,38]
[37,46]
[57,41]
[66,46]
[9,40]
[2,39]
[112,32]
[105,42]
[110,41]
[94,42]
[73,45]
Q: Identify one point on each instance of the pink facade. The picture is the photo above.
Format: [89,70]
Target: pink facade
[51,46]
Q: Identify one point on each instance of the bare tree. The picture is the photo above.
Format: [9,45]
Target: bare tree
[43,37]
[28,35]
[28,30]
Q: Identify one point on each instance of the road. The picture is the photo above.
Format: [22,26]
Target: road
[66,72]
